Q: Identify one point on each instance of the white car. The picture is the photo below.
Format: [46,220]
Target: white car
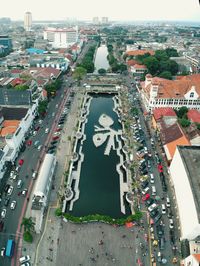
[3,250]
[34,175]
[10,190]
[12,174]
[47,130]
[163,209]
[56,133]
[3,213]
[34,133]
[13,204]
[144,192]
[39,147]
[24,192]
[14,177]
[17,168]
[40,122]
[152,207]
[171,224]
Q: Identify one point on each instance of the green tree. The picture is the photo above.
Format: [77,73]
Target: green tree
[79,73]
[166,75]
[161,55]
[171,52]
[42,107]
[173,67]
[28,224]
[182,112]
[22,87]
[184,122]
[102,71]
[28,237]
[152,64]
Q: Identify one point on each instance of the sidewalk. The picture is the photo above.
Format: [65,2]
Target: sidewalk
[44,245]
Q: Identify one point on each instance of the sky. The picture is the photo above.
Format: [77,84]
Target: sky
[126,10]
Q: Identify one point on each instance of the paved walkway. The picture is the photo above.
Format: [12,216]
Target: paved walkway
[64,153]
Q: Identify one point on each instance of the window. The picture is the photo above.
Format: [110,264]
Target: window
[191,94]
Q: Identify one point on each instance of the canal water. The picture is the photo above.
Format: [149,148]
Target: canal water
[99,180]
[101,60]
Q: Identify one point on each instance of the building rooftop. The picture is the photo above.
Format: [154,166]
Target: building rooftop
[163,111]
[194,116]
[191,157]
[13,113]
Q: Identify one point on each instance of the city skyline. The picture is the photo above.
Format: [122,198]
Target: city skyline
[188,10]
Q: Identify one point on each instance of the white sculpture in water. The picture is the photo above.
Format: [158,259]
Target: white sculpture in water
[107,132]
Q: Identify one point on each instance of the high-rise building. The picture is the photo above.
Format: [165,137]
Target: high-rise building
[6,41]
[95,20]
[104,20]
[61,38]
[27,21]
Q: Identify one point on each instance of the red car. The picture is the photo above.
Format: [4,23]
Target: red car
[29,142]
[160,168]
[58,129]
[55,137]
[21,161]
[146,197]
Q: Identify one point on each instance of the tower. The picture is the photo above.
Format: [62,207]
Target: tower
[27,21]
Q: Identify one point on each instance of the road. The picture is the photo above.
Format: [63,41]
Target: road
[167,252]
[32,157]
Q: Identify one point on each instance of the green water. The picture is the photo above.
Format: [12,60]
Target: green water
[99,180]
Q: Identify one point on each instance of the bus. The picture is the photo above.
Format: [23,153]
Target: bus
[10,247]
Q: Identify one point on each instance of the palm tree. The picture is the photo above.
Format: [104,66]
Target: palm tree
[28,224]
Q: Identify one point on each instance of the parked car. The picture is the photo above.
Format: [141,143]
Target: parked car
[24,192]
[47,130]
[34,175]
[3,250]
[152,207]
[55,137]
[7,186]
[171,224]
[6,202]
[3,213]
[13,205]
[10,190]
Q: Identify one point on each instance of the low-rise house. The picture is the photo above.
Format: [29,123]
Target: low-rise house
[192,260]
[171,137]
[166,114]
[194,116]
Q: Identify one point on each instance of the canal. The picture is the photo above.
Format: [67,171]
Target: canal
[101,60]
[99,179]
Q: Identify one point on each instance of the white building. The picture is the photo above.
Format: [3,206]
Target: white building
[61,38]
[192,260]
[185,178]
[95,20]
[41,190]
[27,21]
[104,20]
[158,92]
[15,141]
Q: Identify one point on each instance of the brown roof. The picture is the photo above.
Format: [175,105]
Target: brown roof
[163,111]
[174,88]
[132,62]
[194,116]
[140,52]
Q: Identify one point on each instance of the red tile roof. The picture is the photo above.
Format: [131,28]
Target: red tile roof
[17,81]
[194,116]
[132,62]
[140,66]
[140,52]
[163,111]
[174,88]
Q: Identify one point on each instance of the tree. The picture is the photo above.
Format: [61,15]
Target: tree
[152,64]
[198,126]
[161,55]
[171,52]
[79,73]
[42,107]
[28,237]
[22,87]
[166,75]
[28,224]
[182,112]
[184,122]
[173,67]
[102,71]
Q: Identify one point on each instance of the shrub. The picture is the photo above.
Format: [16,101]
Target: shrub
[28,237]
